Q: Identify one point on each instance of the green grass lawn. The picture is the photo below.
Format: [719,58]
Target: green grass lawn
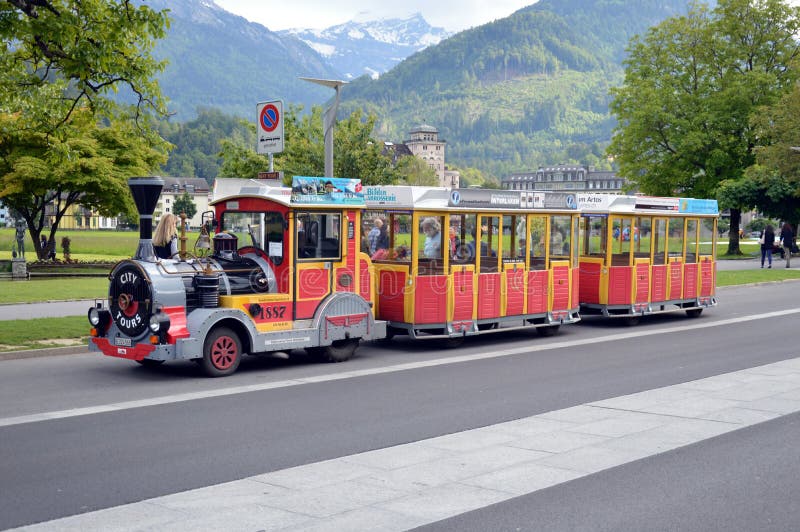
[85,245]
[43,332]
[53,289]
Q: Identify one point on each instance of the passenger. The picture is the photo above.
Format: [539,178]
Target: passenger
[165,239]
[787,238]
[378,237]
[433,238]
[767,240]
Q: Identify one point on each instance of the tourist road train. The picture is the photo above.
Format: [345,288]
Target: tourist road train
[328,262]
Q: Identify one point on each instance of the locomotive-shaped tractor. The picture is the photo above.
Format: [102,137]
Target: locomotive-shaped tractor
[297,282]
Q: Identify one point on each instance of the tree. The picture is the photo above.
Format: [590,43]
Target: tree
[185,204]
[71,54]
[63,138]
[82,163]
[415,171]
[356,153]
[772,185]
[692,85]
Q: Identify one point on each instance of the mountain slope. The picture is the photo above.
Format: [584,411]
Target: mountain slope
[524,91]
[370,47]
[217,59]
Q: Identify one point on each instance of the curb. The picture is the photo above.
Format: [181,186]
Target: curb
[47,352]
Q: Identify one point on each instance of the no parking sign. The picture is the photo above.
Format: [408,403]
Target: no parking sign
[269,129]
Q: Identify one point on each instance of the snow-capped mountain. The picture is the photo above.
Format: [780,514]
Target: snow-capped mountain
[371,47]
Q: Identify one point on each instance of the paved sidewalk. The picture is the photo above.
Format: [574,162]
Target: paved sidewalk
[411,485]
[50,309]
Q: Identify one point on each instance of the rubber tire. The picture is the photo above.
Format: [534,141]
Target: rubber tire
[222,353]
[338,351]
[694,312]
[550,330]
[630,321]
[487,326]
[148,363]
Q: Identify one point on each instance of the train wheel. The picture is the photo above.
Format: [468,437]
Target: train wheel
[148,363]
[694,312]
[222,352]
[338,351]
[550,330]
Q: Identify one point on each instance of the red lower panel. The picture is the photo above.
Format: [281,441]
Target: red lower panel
[463,283]
[658,290]
[488,295]
[707,275]
[619,285]
[537,291]
[690,281]
[312,283]
[675,269]
[430,299]
[561,276]
[390,295]
[136,352]
[365,287]
[589,289]
[515,292]
[642,282]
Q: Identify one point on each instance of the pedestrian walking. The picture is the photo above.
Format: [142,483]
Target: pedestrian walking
[787,237]
[767,241]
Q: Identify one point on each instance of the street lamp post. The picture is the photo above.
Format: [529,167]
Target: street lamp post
[329,119]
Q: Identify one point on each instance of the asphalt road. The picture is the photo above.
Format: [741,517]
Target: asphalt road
[71,465]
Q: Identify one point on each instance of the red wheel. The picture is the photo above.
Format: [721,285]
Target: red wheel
[222,352]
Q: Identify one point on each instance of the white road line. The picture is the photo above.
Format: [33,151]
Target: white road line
[191,396]
[410,485]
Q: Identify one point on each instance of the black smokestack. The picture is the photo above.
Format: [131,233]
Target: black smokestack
[146,191]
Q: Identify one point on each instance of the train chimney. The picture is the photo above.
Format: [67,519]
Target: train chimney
[145,192]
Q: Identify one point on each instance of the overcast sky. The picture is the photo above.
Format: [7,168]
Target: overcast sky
[453,15]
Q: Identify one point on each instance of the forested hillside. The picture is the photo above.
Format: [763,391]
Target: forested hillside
[218,59]
[524,91]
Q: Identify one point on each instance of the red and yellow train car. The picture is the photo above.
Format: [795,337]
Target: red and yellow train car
[454,263]
[643,255]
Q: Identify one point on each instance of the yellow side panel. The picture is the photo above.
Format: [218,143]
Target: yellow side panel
[273,312]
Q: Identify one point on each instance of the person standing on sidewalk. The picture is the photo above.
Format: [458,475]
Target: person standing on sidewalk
[767,241]
[787,237]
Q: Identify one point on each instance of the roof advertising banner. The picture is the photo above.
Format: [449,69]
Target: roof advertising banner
[327,191]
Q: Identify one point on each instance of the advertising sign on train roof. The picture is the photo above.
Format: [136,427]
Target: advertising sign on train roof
[598,202]
[698,206]
[655,203]
[326,191]
[478,198]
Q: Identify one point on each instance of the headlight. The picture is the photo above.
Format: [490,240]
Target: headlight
[99,318]
[159,323]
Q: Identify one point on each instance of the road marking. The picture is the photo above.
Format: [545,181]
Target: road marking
[235,390]
[410,485]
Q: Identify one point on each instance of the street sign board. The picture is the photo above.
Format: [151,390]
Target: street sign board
[269,128]
[271,175]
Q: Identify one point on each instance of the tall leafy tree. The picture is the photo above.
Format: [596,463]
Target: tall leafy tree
[356,153]
[82,162]
[692,85]
[185,204]
[64,137]
[772,185]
